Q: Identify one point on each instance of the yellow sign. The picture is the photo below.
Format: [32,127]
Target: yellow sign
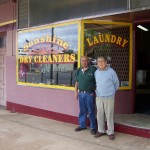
[106,38]
[46,39]
[43,59]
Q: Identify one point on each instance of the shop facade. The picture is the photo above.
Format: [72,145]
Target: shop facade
[40,69]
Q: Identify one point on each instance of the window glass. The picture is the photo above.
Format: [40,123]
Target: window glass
[2,41]
[49,11]
[48,55]
[113,42]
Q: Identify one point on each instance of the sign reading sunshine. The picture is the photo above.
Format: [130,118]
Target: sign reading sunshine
[46,49]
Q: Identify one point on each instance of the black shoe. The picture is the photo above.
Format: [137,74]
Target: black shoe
[79,129]
[111,137]
[99,134]
[93,131]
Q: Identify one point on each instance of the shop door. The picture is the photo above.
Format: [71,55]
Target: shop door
[2,79]
[142,103]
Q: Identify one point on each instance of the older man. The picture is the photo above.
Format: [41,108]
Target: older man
[84,91]
[107,84]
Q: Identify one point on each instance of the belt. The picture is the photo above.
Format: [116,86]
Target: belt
[86,91]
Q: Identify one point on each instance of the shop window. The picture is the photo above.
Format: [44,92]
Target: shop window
[48,56]
[112,40]
[2,41]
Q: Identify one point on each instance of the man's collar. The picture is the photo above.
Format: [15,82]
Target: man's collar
[86,69]
[104,69]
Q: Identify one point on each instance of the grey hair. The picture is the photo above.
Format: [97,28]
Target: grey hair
[85,56]
[102,57]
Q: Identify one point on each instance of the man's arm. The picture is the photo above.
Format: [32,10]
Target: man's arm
[116,80]
[76,90]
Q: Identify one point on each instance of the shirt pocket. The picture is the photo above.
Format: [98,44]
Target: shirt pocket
[90,76]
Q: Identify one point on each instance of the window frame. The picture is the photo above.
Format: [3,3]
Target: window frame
[80,24]
[129,87]
[45,27]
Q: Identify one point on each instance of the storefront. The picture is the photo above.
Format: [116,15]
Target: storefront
[49,56]
[40,77]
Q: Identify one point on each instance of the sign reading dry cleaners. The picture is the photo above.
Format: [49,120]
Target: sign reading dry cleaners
[46,50]
[48,59]
[106,38]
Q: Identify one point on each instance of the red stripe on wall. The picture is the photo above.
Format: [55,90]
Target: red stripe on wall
[72,119]
[132,130]
[41,113]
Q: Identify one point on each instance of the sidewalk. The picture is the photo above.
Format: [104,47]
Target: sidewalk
[25,132]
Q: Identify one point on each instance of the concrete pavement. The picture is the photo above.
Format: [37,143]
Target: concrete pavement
[26,132]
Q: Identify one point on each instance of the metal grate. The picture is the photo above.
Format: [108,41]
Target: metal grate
[139,3]
[39,12]
[118,57]
[23,13]
[4,1]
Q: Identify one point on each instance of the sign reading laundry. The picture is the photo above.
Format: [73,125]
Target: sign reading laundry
[106,38]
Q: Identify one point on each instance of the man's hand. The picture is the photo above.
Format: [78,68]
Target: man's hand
[76,95]
[76,90]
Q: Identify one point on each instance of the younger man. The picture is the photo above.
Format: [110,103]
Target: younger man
[84,91]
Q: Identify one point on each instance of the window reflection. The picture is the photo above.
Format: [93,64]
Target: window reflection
[48,56]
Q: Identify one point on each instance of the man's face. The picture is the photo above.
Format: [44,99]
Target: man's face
[84,62]
[102,63]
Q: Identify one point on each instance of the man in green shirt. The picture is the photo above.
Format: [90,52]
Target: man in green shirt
[85,92]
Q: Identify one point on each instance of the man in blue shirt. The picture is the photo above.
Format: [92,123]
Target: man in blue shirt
[107,84]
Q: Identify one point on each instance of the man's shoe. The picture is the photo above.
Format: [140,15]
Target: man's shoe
[93,131]
[99,134]
[111,137]
[79,129]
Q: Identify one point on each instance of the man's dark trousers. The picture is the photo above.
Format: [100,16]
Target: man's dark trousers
[87,106]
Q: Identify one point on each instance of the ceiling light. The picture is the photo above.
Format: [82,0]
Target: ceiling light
[143,28]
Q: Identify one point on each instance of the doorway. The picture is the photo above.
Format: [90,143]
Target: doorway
[2,69]
[142,102]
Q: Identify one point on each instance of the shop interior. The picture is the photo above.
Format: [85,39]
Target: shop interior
[142,45]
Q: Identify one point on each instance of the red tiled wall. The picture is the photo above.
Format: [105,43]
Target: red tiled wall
[55,100]
[7,12]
